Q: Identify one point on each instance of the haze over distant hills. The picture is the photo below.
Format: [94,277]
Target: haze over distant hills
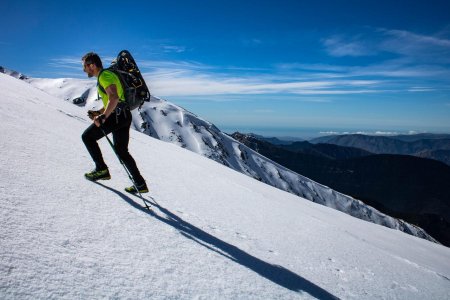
[433,146]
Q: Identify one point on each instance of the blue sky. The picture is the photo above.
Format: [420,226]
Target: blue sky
[293,68]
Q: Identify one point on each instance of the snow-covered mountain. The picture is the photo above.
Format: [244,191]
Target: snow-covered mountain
[13,73]
[170,123]
[213,234]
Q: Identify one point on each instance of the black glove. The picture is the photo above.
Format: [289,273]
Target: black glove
[93,113]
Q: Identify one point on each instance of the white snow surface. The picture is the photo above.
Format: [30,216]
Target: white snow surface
[213,234]
[171,123]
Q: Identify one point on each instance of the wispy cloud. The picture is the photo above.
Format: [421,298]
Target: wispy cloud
[188,78]
[408,68]
[417,40]
[172,65]
[66,62]
[251,42]
[421,89]
[311,67]
[188,82]
[316,100]
[416,47]
[264,111]
[347,46]
[65,67]
[400,60]
[171,48]
[378,132]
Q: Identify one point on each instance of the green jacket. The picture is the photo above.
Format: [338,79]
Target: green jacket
[105,79]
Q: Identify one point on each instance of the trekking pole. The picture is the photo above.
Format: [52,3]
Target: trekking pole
[126,169]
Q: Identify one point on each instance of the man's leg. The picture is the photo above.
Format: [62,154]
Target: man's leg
[90,137]
[121,138]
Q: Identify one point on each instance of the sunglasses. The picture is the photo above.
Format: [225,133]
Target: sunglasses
[85,64]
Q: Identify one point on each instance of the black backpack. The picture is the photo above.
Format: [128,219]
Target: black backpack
[135,90]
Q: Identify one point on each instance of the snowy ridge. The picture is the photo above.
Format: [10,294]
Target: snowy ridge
[170,123]
[12,73]
[214,233]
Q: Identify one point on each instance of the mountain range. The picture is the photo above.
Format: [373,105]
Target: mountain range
[422,145]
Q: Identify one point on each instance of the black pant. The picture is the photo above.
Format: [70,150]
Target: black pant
[118,123]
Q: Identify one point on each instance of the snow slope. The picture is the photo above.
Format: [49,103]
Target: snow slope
[214,233]
[171,123]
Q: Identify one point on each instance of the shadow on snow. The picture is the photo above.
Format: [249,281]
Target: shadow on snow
[275,273]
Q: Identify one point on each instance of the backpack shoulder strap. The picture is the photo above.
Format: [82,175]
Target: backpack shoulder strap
[98,81]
